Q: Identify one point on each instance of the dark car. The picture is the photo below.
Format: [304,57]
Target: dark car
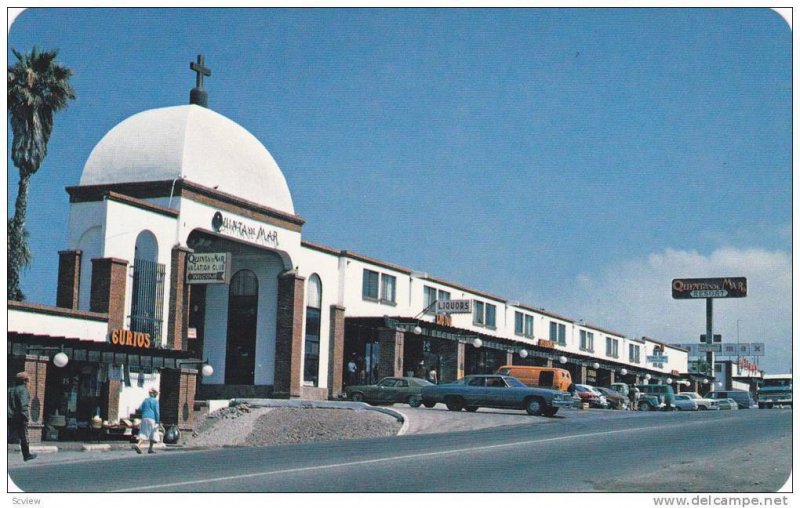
[496,391]
[389,390]
[656,397]
[614,398]
[743,399]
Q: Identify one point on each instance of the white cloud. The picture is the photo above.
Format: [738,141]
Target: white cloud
[634,297]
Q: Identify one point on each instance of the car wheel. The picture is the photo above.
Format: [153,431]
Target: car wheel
[645,406]
[534,406]
[454,403]
[550,411]
[357,397]
[414,400]
[471,409]
[702,408]
[428,404]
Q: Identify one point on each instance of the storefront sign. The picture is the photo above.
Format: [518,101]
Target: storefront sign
[728,287]
[454,306]
[208,268]
[547,343]
[250,231]
[657,359]
[130,338]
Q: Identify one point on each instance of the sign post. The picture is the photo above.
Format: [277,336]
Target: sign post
[726,287]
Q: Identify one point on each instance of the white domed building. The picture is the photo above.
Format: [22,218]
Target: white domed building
[185,270]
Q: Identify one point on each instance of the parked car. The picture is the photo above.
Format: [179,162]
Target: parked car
[742,398]
[685,403]
[389,390]
[733,403]
[543,377]
[615,399]
[727,404]
[496,391]
[703,403]
[654,397]
[591,396]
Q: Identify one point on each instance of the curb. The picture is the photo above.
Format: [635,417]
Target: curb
[35,449]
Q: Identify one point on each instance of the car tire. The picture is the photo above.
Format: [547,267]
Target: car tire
[471,409]
[645,406]
[428,404]
[550,411]
[414,400]
[357,397]
[702,408]
[534,406]
[454,403]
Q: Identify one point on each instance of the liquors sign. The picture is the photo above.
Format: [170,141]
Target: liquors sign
[726,287]
[208,268]
[454,306]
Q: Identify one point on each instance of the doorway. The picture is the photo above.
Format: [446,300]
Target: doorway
[242,318]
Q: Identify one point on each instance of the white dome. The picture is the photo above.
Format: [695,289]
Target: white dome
[190,142]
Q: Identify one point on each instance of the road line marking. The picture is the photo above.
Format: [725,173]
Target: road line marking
[403,457]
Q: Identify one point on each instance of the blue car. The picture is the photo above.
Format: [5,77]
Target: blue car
[495,391]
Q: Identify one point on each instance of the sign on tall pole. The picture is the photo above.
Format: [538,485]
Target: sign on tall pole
[725,287]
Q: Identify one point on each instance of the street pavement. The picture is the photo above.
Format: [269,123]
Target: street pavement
[579,451]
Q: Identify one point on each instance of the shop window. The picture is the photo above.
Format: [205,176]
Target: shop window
[313,319]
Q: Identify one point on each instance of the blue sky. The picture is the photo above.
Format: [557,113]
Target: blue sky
[572,159]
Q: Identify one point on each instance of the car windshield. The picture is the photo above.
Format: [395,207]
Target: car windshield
[514,382]
[388,382]
[691,395]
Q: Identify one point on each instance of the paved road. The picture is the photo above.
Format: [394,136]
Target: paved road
[581,452]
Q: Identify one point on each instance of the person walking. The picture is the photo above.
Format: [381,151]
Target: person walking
[151,418]
[19,400]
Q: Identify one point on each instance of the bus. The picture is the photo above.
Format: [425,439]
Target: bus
[775,390]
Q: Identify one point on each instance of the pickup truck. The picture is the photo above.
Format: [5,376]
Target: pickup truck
[496,391]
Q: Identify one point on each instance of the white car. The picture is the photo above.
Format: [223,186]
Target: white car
[685,403]
[703,403]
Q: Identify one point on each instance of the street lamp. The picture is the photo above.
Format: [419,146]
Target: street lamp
[562,359]
[647,377]
[669,380]
[417,330]
[623,372]
[476,342]
[206,370]
[523,353]
[595,365]
[60,359]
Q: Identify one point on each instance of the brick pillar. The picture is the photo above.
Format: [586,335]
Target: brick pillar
[36,367]
[69,279]
[583,375]
[289,338]
[176,399]
[109,401]
[509,358]
[390,362]
[336,352]
[109,276]
[612,376]
[178,300]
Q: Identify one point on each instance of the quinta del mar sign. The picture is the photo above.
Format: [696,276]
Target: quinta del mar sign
[208,268]
[249,231]
[726,287]
[454,306]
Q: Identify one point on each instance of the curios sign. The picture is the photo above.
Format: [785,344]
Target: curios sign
[130,338]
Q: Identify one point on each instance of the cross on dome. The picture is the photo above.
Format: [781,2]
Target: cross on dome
[198,95]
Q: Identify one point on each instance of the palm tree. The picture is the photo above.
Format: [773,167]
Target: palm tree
[38,87]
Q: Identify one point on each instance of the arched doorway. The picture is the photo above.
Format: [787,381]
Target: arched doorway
[242,319]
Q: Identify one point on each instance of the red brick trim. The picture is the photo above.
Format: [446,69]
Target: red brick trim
[288,337]
[336,351]
[69,279]
[178,299]
[109,278]
[144,205]
[57,311]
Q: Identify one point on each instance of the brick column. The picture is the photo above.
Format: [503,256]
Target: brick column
[289,338]
[583,375]
[36,367]
[612,376]
[176,400]
[509,358]
[178,299]
[69,279]
[336,352]
[109,277]
[390,362]
[109,401]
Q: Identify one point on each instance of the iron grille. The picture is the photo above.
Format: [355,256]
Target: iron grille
[147,307]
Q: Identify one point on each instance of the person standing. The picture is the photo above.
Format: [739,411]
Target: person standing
[151,418]
[19,400]
[351,372]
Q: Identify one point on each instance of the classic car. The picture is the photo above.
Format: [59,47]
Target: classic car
[703,403]
[656,397]
[727,404]
[743,399]
[389,390]
[685,403]
[591,396]
[496,391]
[614,398]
